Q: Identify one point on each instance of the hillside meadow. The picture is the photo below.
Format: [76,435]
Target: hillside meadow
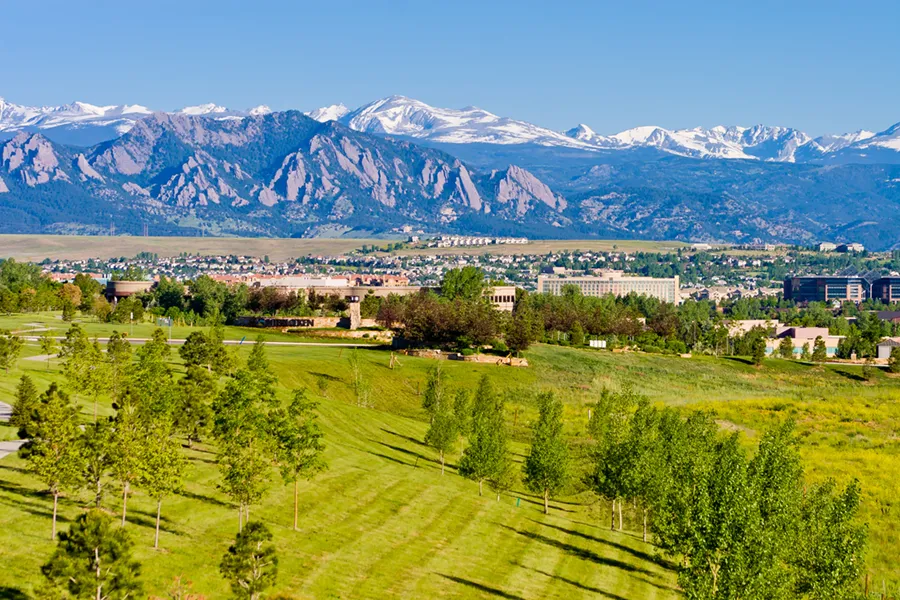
[383,523]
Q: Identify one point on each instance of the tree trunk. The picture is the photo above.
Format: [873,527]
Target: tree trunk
[620,515]
[247,514]
[124,503]
[612,521]
[55,504]
[99,497]
[546,501]
[296,498]
[645,525]
[99,585]
[240,517]
[480,492]
[442,462]
[158,511]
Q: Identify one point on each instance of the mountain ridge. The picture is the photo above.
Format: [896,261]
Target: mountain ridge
[85,124]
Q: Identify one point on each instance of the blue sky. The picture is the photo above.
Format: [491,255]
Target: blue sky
[824,67]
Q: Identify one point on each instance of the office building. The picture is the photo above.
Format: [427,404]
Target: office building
[886,289]
[615,283]
[826,289]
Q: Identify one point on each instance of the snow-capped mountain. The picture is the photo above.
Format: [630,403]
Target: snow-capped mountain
[82,124]
[402,116]
[328,113]
[748,143]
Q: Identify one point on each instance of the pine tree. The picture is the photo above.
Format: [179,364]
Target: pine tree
[52,452]
[299,443]
[804,353]
[163,468]
[486,454]
[894,360]
[444,432]
[786,348]
[758,349]
[819,352]
[195,351]
[547,465]
[93,560]
[251,563]
[25,403]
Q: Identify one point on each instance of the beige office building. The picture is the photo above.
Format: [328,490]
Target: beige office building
[615,283]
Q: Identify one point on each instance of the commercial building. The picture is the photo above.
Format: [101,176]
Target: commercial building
[615,283]
[886,289]
[826,289]
[804,336]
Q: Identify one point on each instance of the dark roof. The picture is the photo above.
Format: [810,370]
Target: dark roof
[888,315]
[890,343]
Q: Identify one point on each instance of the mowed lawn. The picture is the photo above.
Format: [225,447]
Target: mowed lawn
[380,523]
[383,522]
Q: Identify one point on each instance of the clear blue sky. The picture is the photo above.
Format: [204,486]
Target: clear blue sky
[821,66]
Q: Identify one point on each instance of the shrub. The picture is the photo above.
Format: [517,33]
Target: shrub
[467,352]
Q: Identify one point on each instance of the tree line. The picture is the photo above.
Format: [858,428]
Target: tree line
[140,445]
[732,524]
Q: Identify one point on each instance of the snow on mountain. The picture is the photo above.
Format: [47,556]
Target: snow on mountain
[889,138]
[402,116]
[202,109]
[760,142]
[83,124]
[258,111]
[328,113]
[833,143]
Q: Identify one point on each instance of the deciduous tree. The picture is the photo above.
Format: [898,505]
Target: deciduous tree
[444,429]
[52,449]
[547,465]
[485,456]
[163,468]
[299,445]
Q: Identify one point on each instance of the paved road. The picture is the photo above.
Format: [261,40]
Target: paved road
[7,448]
[178,342]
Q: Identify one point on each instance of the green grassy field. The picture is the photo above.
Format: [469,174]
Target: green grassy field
[383,523]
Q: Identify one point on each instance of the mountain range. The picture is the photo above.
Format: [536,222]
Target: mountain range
[398,162]
[83,124]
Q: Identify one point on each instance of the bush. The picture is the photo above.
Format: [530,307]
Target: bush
[651,349]
[501,347]
[467,352]
[676,346]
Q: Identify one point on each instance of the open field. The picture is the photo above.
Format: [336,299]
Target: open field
[38,247]
[548,246]
[383,522]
